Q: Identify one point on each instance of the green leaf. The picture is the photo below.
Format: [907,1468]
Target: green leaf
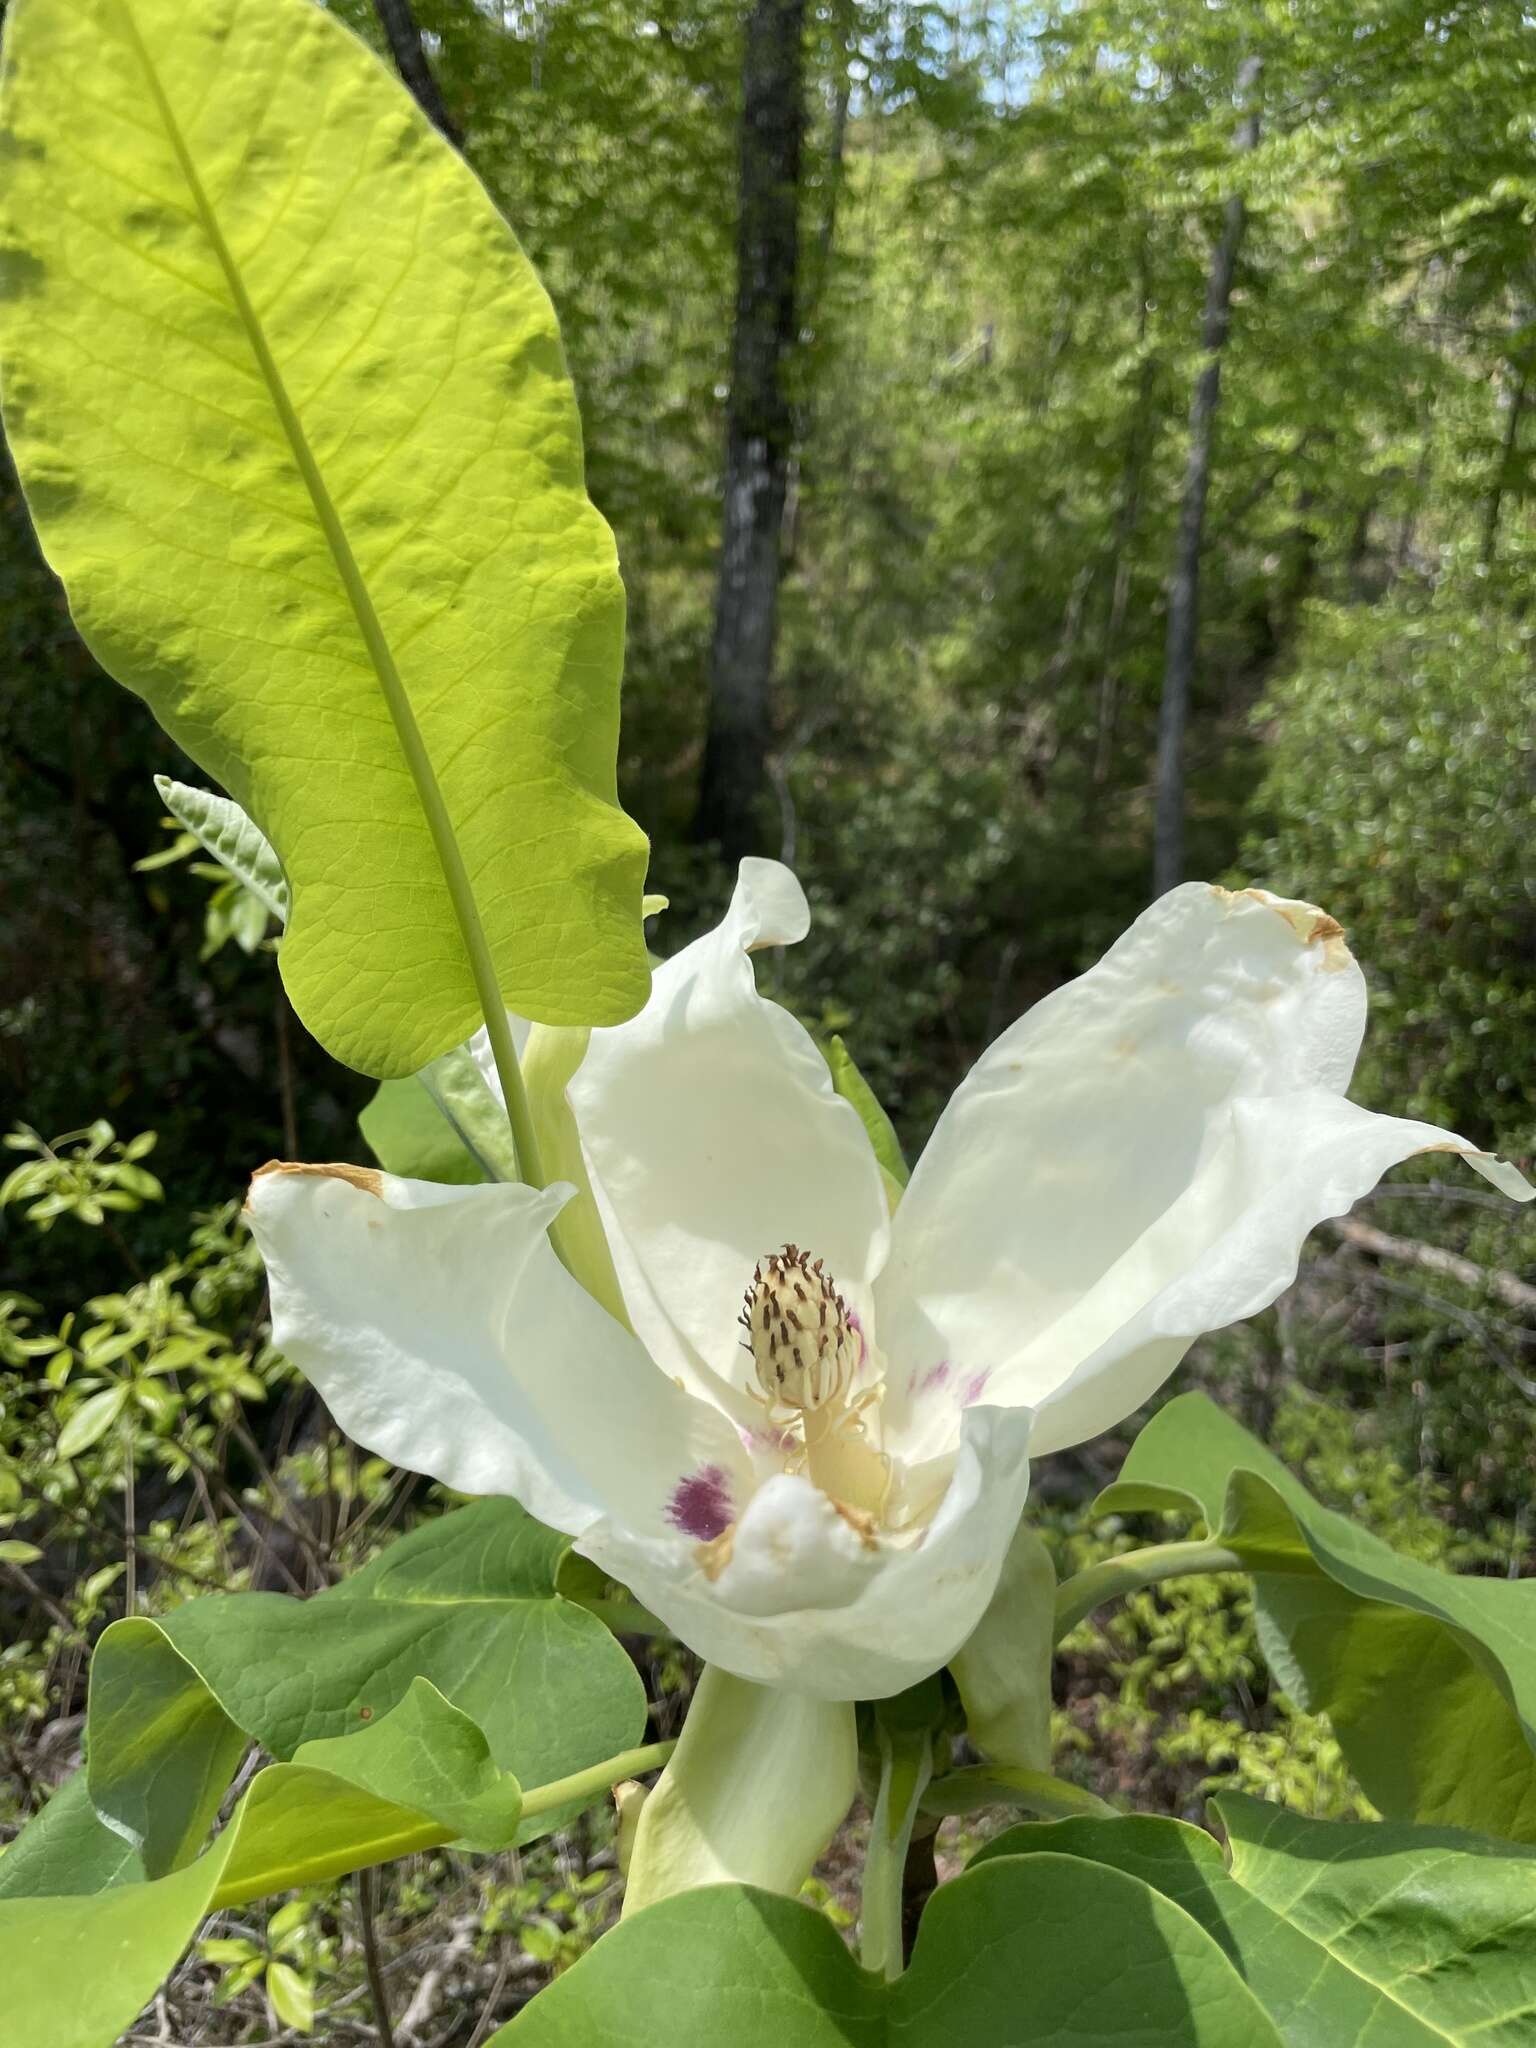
[408,1134]
[14,1551]
[1428,1679]
[164,1747]
[293,2001]
[76,1970]
[91,1421]
[234,841]
[1018,1951]
[320,502]
[1345,1931]
[853,1087]
[467,1601]
[67,1850]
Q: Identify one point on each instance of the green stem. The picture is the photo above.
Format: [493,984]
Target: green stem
[1117,1576]
[600,1778]
[371,630]
[906,1765]
[1011,1785]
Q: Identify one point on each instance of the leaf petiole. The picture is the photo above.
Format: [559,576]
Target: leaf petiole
[1077,1597]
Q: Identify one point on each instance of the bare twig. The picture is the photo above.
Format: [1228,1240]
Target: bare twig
[1433,1258]
[378,1991]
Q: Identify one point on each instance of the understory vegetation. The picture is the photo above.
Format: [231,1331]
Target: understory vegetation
[1006,230]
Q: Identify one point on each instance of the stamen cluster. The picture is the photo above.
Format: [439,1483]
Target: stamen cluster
[803,1337]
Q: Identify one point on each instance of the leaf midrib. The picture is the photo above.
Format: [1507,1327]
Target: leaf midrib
[365,616]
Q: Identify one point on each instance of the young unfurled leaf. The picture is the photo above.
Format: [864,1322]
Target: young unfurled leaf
[291,413]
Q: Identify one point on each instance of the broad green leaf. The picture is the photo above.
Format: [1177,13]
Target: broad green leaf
[1428,1679]
[1046,1951]
[292,417]
[165,1748]
[408,1134]
[853,1087]
[234,841]
[66,1850]
[1345,1931]
[76,1970]
[467,1601]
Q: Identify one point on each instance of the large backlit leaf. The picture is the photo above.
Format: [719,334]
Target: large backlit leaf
[468,1602]
[292,417]
[1395,1937]
[1429,1679]
[1029,1952]
[75,1970]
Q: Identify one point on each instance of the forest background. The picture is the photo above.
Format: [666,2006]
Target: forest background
[1051,449]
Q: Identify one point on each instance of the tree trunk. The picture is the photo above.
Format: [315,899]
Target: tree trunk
[759,432]
[405,46]
[1138,448]
[1504,474]
[1184,583]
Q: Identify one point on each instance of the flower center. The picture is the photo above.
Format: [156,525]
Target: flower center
[807,1349]
[804,1339]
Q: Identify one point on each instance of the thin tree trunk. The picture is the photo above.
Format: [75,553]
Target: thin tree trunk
[1138,447]
[405,46]
[1184,583]
[759,431]
[1504,473]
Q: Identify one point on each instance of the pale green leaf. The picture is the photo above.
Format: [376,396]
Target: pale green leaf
[292,417]
[91,1421]
[218,823]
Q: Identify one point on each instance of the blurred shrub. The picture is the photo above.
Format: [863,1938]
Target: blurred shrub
[1401,791]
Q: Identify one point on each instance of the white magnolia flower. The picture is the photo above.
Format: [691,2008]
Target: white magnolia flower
[811,1452]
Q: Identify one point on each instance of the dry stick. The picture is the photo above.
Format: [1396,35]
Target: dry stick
[378,1991]
[1507,1287]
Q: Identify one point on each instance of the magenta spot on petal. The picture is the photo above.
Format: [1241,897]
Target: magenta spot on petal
[974,1388]
[935,1377]
[857,1328]
[701,1505]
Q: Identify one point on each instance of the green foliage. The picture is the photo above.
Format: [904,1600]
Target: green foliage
[78,1969]
[1402,774]
[1310,1914]
[1429,1679]
[730,1963]
[446,618]
[83,1174]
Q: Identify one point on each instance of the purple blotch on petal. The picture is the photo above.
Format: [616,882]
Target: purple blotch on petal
[935,1377]
[701,1504]
[974,1388]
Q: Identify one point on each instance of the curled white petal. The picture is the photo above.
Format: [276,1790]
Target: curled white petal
[1100,1137]
[444,1334]
[714,1136]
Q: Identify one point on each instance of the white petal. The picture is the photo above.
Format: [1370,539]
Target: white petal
[714,1136]
[444,1334]
[806,1604]
[1086,1122]
[754,1792]
[1226,1249]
